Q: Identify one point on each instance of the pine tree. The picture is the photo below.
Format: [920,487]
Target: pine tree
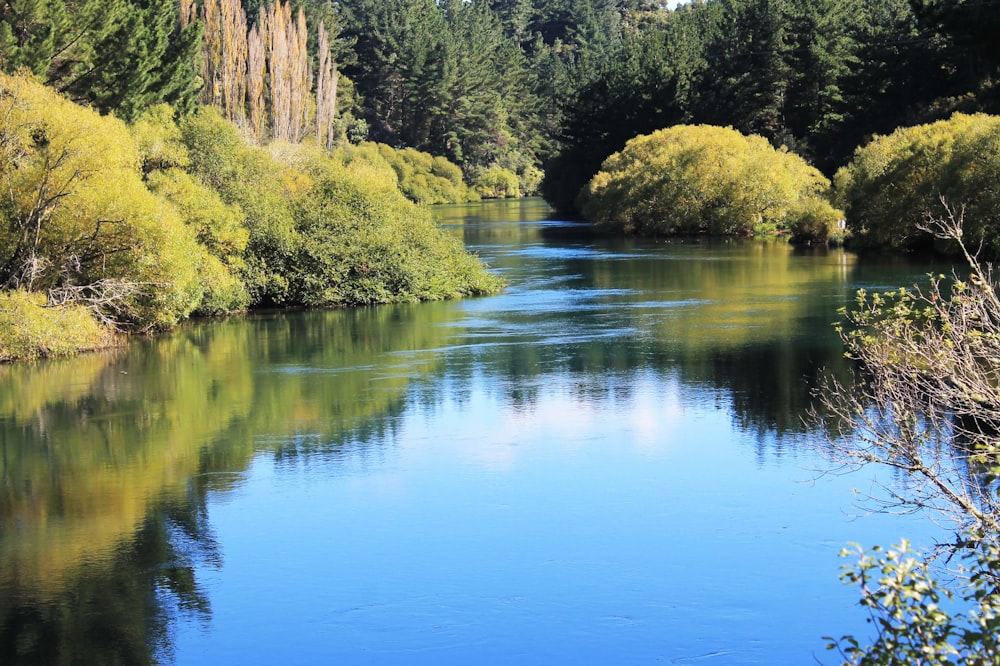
[116,55]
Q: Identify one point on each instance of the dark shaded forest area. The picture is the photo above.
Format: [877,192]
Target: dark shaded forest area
[552,85]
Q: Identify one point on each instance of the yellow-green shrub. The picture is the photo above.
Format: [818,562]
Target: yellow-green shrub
[29,329]
[250,179]
[218,227]
[159,140]
[894,182]
[496,182]
[72,184]
[363,242]
[703,179]
[423,178]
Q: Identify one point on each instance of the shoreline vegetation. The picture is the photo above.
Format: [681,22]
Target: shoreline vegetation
[117,229]
[165,160]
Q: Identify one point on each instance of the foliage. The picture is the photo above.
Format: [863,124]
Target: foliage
[247,178]
[912,611]
[259,69]
[931,379]
[79,217]
[219,229]
[636,93]
[892,183]
[30,328]
[702,179]
[331,230]
[146,228]
[815,224]
[927,405]
[819,77]
[423,178]
[363,242]
[495,182]
[442,78]
[118,55]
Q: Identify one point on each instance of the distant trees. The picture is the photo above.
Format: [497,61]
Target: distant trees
[443,78]
[644,89]
[817,77]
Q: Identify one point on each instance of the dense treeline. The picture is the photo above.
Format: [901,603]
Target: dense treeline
[819,77]
[522,85]
[253,204]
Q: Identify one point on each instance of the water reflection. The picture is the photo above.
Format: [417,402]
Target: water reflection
[110,460]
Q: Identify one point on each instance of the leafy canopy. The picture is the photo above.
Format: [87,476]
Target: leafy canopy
[704,179]
[895,181]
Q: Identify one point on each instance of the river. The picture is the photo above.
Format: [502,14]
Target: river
[607,463]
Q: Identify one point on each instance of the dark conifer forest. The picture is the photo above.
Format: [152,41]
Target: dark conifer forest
[542,85]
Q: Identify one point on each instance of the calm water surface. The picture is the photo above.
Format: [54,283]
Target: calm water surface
[604,464]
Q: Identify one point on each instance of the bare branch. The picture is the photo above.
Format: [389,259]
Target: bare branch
[927,400]
[109,299]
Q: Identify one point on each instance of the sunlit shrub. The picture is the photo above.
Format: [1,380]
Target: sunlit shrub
[422,177]
[141,228]
[817,222]
[496,182]
[159,140]
[703,179]
[29,329]
[363,242]
[248,178]
[531,180]
[73,185]
[894,182]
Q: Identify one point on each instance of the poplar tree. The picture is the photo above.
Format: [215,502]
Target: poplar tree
[224,62]
[327,77]
[261,77]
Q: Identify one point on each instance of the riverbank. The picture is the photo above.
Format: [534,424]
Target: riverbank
[135,228]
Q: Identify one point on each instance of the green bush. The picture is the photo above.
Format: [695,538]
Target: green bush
[422,177]
[894,182]
[496,182]
[704,179]
[363,242]
[248,178]
[817,222]
[29,329]
[72,183]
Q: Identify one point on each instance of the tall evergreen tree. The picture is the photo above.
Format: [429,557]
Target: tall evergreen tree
[117,55]
[746,77]
[639,92]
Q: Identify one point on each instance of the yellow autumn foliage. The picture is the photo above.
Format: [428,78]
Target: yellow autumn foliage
[894,182]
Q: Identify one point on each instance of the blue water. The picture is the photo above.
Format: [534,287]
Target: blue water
[607,463]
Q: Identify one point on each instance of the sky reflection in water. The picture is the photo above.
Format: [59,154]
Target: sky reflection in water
[561,491]
[605,464]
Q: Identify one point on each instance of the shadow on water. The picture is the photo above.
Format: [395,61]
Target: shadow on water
[108,460]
